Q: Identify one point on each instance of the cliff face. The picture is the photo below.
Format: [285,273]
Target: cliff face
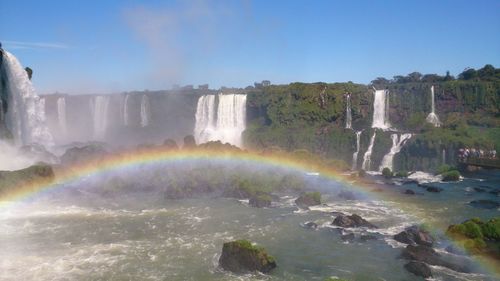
[313,116]
[4,132]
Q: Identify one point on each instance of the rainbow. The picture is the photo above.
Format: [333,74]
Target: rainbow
[161,155]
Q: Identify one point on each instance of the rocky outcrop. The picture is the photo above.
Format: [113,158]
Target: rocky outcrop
[311,225]
[260,201]
[308,199]
[10,180]
[430,256]
[86,153]
[419,268]
[352,221]
[414,236]
[241,256]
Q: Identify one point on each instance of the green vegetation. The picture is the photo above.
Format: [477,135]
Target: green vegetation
[451,176]
[401,174]
[387,173]
[478,237]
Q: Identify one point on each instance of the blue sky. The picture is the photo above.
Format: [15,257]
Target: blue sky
[110,46]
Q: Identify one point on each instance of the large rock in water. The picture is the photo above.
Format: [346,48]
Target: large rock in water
[419,268]
[260,200]
[429,256]
[241,256]
[308,199]
[82,154]
[352,221]
[414,236]
[10,180]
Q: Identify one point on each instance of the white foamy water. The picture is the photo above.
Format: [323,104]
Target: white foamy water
[11,159]
[25,117]
[125,110]
[381,110]
[355,154]
[99,108]
[227,125]
[397,144]
[423,177]
[145,111]
[348,119]
[61,115]
[432,117]
[367,158]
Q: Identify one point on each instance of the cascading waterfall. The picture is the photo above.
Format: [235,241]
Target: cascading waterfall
[145,113]
[355,154]
[368,154]
[99,108]
[61,115]
[432,117]
[397,144]
[205,118]
[348,119]
[230,121]
[125,110]
[381,110]
[443,156]
[25,116]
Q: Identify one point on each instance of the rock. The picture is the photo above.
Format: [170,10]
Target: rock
[83,154]
[260,201]
[38,152]
[409,181]
[311,225]
[414,236]
[347,195]
[10,180]
[241,256]
[189,142]
[409,192]
[428,255]
[478,189]
[367,237]
[170,144]
[347,237]
[352,221]
[434,189]
[419,268]
[308,199]
[484,204]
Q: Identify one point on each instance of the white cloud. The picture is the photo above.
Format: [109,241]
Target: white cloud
[33,45]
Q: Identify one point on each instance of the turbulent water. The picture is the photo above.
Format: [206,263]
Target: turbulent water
[367,158]
[225,126]
[355,154]
[381,110]
[432,117]
[348,119]
[397,144]
[25,116]
[75,235]
[99,108]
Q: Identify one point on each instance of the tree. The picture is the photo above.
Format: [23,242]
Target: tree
[380,81]
[468,74]
[29,71]
[414,76]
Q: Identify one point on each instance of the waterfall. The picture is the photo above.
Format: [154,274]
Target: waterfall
[432,117]
[381,110]
[99,109]
[61,115]
[348,119]
[205,116]
[125,111]
[230,121]
[145,113]
[443,156]
[25,116]
[355,154]
[397,144]
[368,154]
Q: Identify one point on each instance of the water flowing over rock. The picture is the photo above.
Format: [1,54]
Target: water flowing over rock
[381,110]
[145,111]
[432,117]
[368,154]
[229,122]
[125,110]
[25,116]
[355,154]
[61,115]
[348,118]
[99,108]
[397,144]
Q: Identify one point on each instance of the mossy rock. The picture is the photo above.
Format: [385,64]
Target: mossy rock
[452,175]
[387,173]
[10,180]
[241,256]
[260,200]
[309,199]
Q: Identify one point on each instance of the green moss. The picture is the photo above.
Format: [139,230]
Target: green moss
[443,169]
[453,175]
[491,229]
[387,173]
